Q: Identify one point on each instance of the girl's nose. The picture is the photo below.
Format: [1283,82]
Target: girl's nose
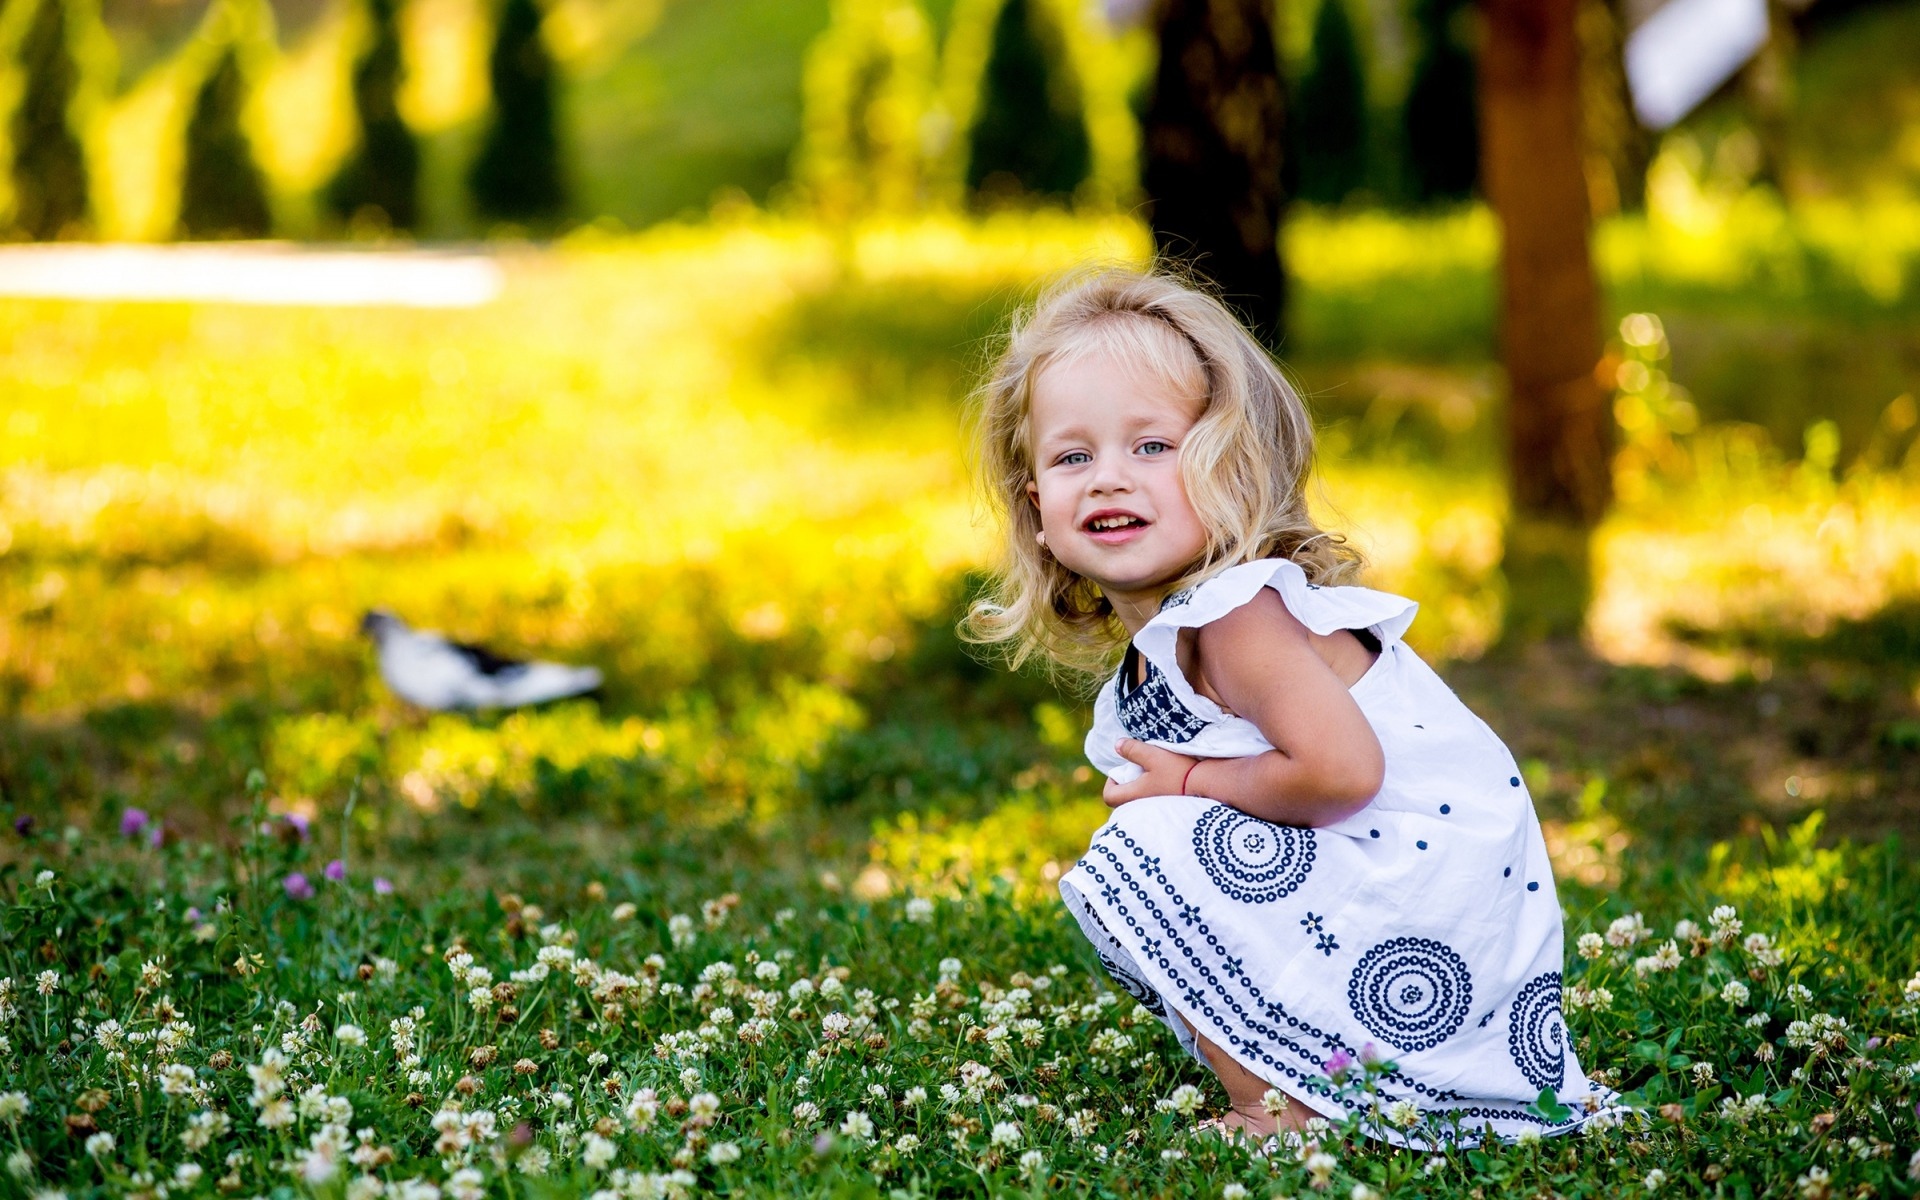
[1109,475]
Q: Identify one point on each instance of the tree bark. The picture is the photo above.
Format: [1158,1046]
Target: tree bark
[1559,419]
[1212,142]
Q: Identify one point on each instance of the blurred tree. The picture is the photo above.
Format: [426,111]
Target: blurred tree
[222,193]
[517,176]
[49,167]
[1029,132]
[1559,416]
[1768,84]
[868,88]
[1618,148]
[383,172]
[1330,110]
[1213,161]
[1439,120]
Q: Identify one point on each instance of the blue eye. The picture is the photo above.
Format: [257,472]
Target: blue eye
[1074,458]
[1154,447]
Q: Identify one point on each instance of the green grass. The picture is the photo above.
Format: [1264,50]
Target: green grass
[723,462]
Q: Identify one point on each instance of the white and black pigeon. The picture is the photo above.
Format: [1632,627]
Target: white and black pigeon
[434,672]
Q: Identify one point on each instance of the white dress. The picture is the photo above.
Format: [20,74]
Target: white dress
[1425,924]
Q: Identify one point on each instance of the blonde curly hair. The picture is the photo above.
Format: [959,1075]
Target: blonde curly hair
[1245,464]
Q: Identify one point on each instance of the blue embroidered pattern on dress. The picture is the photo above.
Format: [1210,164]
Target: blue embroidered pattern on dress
[1249,859]
[1132,984]
[1176,599]
[1411,992]
[1537,1033]
[1255,1027]
[1152,713]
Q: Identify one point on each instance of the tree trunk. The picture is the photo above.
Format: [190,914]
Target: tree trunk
[1559,420]
[1212,143]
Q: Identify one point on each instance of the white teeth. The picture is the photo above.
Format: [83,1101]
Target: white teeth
[1105,523]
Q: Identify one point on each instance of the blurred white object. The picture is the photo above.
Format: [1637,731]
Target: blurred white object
[1125,14]
[426,669]
[1686,49]
[256,273]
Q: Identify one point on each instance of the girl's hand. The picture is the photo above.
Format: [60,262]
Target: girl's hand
[1162,773]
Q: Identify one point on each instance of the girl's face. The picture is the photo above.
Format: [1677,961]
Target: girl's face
[1106,458]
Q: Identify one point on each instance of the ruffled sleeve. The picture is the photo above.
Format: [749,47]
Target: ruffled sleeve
[1321,609]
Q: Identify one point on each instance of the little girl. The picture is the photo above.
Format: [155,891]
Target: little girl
[1317,852]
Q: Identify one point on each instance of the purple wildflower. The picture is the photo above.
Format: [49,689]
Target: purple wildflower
[822,1143]
[1337,1065]
[382,886]
[1369,1054]
[133,821]
[299,824]
[336,870]
[298,887]
[157,835]
[23,825]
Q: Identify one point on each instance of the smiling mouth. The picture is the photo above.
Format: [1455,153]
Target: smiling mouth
[1107,524]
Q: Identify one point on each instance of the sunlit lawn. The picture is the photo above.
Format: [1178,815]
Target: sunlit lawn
[724,463]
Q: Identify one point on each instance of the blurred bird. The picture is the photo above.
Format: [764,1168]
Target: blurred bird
[426,669]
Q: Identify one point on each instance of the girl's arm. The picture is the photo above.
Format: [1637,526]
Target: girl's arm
[1260,662]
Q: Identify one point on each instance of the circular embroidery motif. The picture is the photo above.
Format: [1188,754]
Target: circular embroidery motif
[1411,992]
[1250,859]
[1134,986]
[1537,1036]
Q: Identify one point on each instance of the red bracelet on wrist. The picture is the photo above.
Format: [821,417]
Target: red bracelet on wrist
[1187,776]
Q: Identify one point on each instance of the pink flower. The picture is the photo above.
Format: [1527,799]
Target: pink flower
[1337,1065]
[132,822]
[298,887]
[336,870]
[382,886]
[1369,1054]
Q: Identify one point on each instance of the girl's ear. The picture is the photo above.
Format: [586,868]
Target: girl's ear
[1033,492]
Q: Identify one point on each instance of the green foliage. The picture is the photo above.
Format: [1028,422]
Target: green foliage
[1439,120]
[222,192]
[518,175]
[1029,134]
[383,172]
[868,84]
[49,166]
[1329,121]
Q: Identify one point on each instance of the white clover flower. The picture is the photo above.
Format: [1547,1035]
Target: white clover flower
[680,929]
[1032,1163]
[276,1113]
[1528,1137]
[1725,921]
[1234,1191]
[1761,949]
[534,1161]
[799,989]
[1185,1099]
[1702,1074]
[1686,931]
[47,982]
[722,1153]
[766,969]
[1591,945]
[1628,931]
[13,1106]
[1319,1164]
[643,1108]
[1006,1134]
[1735,993]
[1434,1165]
[365,1187]
[857,1126]
[1666,958]
[1655,1178]
[949,970]
[187,1174]
[834,1026]
[1404,1113]
[99,1145]
[1814,1184]
[1361,1191]
[919,910]
[20,1164]
[44,879]
[1799,993]
[467,1184]
[914,1095]
[1273,1102]
[596,1151]
[831,987]
[704,1106]
[906,1143]
[806,1112]
[350,1035]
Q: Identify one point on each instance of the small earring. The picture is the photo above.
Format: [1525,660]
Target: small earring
[1040,535]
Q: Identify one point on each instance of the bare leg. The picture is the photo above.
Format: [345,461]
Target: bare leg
[1244,1092]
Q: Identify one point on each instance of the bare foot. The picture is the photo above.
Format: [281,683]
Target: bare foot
[1252,1132]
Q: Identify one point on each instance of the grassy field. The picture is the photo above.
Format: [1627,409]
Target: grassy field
[723,462]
